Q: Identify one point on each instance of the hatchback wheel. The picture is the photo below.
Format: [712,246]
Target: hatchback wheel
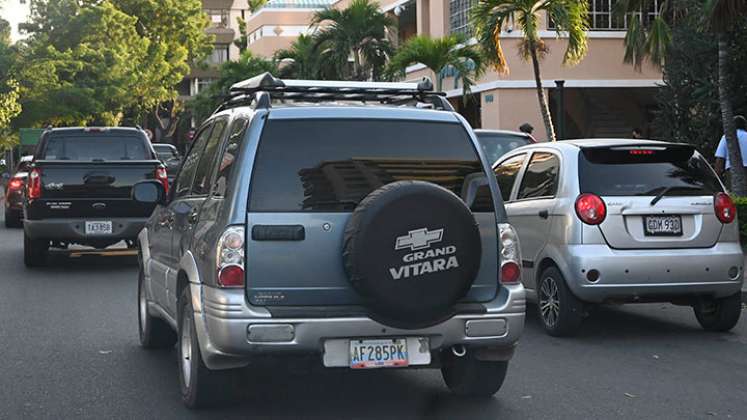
[720,314]
[560,312]
[155,333]
[200,386]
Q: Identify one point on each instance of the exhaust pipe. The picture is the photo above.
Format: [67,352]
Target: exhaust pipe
[459,350]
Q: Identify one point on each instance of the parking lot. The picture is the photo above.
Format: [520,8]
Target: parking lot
[70,348]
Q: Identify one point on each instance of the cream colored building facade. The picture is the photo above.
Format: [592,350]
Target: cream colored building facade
[602,96]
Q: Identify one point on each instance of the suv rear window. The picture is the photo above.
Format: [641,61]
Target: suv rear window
[627,171]
[96,147]
[330,165]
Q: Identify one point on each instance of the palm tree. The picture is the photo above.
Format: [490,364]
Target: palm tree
[358,31]
[438,54]
[645,38]
[722,16]
[302,60]
[489,17]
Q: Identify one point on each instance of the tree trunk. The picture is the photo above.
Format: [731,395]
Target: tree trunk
[356,65]
[738,181]
[544,108]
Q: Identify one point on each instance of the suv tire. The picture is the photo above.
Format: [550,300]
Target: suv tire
[34,251]
[155,333]
[200,386]
[559,311]
[721,315]
[13,219]
[468,376]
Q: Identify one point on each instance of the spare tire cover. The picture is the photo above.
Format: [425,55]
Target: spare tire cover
[412,250]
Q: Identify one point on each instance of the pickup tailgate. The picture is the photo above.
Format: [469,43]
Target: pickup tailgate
[84,189]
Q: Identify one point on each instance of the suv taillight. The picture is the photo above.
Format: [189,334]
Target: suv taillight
[510,254]
[15,184]
[591,209]
[34,187]
[163,177]
[724,207]
[230,257]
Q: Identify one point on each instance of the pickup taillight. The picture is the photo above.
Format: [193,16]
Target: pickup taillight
[34,189]
[163,177]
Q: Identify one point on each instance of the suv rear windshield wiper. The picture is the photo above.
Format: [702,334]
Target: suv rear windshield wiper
[670,188]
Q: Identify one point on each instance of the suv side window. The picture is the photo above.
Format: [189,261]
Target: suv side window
[187,172]
[541,177]
[226,163]
[201,184]
[507,172]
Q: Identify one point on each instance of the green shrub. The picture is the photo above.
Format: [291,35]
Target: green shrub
[741,203]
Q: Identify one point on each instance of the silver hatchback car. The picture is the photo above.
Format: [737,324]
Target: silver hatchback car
[622,221]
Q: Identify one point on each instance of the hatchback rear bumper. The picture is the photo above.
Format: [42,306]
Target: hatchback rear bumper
[229,334]
[654,274]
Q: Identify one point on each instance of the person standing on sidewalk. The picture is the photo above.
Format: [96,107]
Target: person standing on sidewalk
[722,153]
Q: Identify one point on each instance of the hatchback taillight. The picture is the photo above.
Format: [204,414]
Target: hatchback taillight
[230,257]
[591,209]
[724,207]
[510,254]
[163,177]
[34,189]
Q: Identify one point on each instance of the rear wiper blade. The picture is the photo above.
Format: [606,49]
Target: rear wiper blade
[667,189]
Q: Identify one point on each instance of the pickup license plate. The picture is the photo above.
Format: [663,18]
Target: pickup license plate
[380,353]
[98,228]
[662,225]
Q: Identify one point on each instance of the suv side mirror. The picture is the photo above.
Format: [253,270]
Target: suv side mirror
[149,192]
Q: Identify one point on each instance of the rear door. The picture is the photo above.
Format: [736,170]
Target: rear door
[656,196]
[309,175]
[533,207]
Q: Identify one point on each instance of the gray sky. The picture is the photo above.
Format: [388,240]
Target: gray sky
[14,12]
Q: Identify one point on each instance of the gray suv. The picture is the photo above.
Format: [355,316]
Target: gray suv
[353,221]
[622,221]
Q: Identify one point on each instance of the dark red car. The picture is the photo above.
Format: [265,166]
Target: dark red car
[14,194]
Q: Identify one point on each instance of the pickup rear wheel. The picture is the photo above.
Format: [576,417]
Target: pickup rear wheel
[200,386]
[721,314]
[468,376]
[155,333]
[34,251]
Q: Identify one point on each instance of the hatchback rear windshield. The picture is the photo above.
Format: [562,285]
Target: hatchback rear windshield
[99,147]
[330,165]
[637,171]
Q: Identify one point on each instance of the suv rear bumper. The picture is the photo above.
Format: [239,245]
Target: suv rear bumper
[75,229]
[654,273]
[225,321]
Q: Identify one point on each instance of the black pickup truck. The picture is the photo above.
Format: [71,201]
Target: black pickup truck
[79,189]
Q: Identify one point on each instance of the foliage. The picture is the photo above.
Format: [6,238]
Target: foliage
[438,54]
[741,203]
[358,31]
[301,61]
[9,89]
[489,17]
[203,105]
[647,38]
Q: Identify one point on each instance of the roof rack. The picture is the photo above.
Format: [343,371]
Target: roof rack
[262,89]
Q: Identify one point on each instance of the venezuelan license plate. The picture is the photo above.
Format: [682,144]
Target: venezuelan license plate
[98,228]
[366,354]
[662,225]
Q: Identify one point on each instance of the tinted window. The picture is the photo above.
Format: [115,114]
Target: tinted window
[96,147]
[506,174]
[226,163]
[495,145]
[202,175]
[189,166]
[541,177]
[330,165]
[165,152]
[626,172]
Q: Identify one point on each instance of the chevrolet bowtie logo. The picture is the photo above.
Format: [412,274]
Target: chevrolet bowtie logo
[419,239]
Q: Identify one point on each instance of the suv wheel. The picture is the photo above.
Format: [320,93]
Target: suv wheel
[34,251]
[200,386]
[155,333]
[13,219]
[720,314]
[560,312]
[468,376]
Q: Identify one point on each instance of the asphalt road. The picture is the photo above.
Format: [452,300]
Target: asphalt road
[69,349]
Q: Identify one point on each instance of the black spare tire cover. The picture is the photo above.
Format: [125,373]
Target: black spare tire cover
[412,250]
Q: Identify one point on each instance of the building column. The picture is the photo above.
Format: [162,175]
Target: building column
[423,12]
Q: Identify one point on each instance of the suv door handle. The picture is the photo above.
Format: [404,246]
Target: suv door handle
[544,214]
